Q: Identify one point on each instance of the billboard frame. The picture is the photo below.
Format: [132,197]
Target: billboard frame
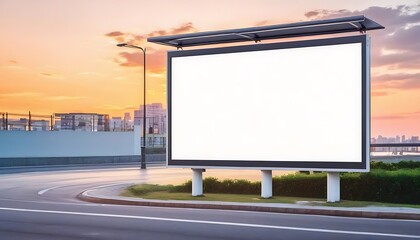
[362,166]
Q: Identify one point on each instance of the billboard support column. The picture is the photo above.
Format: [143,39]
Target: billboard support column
[266,183]
[333,186]
[197,182]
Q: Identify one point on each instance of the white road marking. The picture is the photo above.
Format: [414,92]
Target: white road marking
[50,203]
[214,223]
[47,189]
[293,214]
[102,186]
[110,185]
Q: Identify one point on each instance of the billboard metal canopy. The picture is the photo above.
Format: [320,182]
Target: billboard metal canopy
[299,29]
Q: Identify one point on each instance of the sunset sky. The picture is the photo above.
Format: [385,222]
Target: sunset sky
[60,56]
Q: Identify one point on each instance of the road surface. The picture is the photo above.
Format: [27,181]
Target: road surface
[41,203]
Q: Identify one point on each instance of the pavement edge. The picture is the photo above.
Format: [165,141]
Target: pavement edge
[85,196]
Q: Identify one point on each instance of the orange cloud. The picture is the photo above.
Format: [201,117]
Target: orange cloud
[51,75]
[115,34]
[156,58]
[396,116]
[401,81]
[135,39]
[19,94]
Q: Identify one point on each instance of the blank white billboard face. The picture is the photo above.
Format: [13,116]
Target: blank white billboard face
[299,104]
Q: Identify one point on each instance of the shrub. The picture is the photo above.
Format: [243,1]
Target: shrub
[301,185]
[236,186]
[395,166]
[185,187]
[146,188]
[397,186]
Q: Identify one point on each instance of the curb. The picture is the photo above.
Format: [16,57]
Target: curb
[84,196]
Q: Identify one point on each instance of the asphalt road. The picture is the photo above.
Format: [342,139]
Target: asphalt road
[41,203]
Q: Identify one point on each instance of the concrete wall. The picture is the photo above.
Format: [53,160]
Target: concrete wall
[45,144]
[48,161]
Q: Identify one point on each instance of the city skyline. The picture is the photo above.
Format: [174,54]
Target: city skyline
[156,112]
[61,56]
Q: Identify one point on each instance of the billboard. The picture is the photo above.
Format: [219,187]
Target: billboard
[292,105]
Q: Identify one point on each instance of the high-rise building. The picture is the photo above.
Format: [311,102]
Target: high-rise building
[155,118]
[155,123]
[128,123]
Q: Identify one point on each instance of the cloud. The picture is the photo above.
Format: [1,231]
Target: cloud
[13,64]
[115,34]
[183,28]
[136,39]
[51,75]
[401,81]
[380,93]
[322,13]
[19,94]
[400,36]
[406,115]
[131,59]
[155,60]
[156,57]
[389,117]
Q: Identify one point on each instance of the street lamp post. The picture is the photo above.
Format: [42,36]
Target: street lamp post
[143,146]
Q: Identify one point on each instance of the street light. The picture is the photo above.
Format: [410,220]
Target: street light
[143,146]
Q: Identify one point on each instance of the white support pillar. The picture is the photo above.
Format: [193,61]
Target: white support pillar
[266,183]
[333,186]
[197,182]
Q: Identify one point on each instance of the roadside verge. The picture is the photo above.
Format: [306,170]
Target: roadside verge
[110,195]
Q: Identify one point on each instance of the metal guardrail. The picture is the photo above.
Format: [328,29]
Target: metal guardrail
[26,121]
[395,144]
[395,151]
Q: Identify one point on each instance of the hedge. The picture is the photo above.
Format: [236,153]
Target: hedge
[395,166]
[398,186]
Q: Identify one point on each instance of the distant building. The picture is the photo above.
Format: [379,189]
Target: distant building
[116,124]
[127,117]
[23,124]
[40,125]
[397,139]
[155,123]
[128,123]
[155,118]
[82,122]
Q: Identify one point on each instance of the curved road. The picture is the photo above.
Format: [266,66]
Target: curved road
[41,203]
